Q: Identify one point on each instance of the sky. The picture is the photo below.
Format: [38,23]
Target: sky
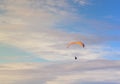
[34,35]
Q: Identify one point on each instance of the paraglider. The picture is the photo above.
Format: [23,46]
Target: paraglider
[77,43]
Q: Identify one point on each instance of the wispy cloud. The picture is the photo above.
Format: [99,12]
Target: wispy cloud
[82,2]
[55,73]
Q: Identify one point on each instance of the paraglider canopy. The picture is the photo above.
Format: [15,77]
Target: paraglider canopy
[76,42]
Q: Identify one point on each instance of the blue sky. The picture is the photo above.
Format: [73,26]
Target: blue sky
[34,35]
[13,54]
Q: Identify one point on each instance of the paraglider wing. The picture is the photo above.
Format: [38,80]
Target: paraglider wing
[78,43]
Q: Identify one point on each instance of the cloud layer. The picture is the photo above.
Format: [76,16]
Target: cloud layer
[85,72]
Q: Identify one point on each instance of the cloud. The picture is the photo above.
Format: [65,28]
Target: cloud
[66,72]
[82,2]
[53,47]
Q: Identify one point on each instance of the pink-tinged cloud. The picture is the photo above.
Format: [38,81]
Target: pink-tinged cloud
[97,71]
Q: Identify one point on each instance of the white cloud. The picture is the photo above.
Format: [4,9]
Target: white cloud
[66,72]
[50,45]
[82,2]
